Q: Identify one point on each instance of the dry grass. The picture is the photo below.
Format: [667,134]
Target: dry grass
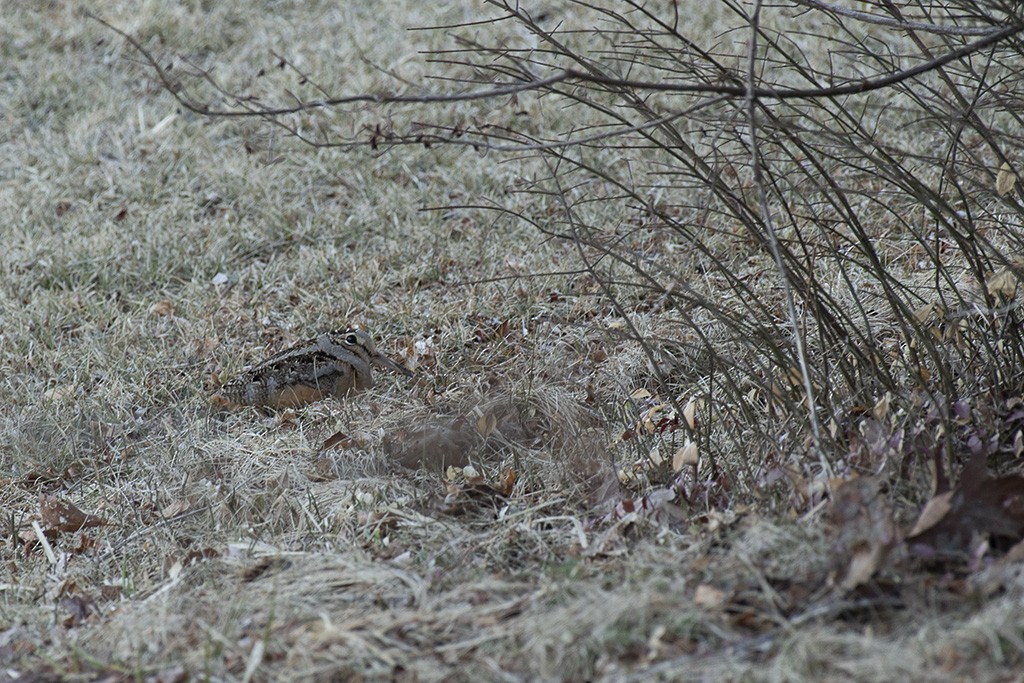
[147,250]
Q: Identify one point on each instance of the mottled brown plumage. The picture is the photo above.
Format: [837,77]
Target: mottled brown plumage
[335,363]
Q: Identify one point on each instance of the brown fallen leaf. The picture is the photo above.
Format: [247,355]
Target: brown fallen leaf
[486,424]
[979,509]
[508,482]
[469,474]
[61,517]
[85,543]
[932,513]
[341,441]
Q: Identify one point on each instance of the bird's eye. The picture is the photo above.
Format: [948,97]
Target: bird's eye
[351,339]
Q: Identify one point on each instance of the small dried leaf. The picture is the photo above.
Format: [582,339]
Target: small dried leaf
[881,408]
[863,565]
[1005,179]
[922,314]
[508,480]
[1003,283]
[60,516]
[687,455]
[934,510]
[709,597]
[626,476]
[178,507]
[648,506]
[652,416]
[287,418]
[486,424]
[690,413]
[221,402]
[337,440]
[60,393]
[162,308]
[471,474]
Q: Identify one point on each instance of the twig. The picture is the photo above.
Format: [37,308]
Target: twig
[868,18]
[773,240]
[566,75]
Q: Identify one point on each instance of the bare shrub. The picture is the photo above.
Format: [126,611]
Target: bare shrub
[818,207]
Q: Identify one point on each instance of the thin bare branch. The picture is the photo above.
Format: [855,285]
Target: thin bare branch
[874,19]
[854,87]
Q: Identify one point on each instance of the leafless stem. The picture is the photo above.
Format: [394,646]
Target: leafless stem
[567,75]
[773,239]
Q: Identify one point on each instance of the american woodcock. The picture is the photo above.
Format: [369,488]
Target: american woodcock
[337,363]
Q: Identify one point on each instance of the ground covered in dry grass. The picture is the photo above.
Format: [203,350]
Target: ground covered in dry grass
[149,253]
